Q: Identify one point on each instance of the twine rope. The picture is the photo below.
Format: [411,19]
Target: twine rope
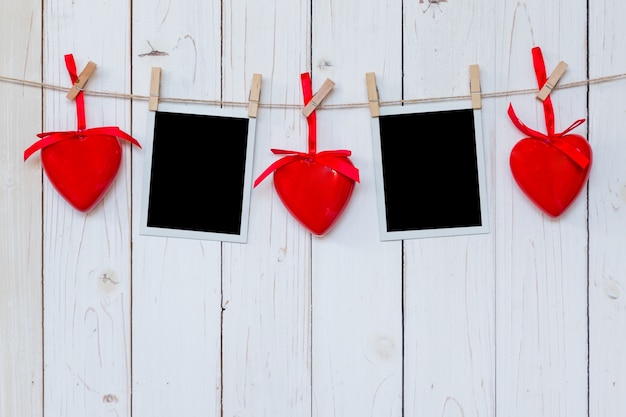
[297,106]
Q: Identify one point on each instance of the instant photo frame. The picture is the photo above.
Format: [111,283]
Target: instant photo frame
[429,170]
[198,172]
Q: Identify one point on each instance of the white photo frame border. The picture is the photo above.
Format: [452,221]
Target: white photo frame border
[429,107]
[200,110]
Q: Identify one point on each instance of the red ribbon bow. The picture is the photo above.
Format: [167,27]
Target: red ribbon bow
[551,138]
[326,158]
[50,138]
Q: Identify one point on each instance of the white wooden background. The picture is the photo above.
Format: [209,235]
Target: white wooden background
[96,320]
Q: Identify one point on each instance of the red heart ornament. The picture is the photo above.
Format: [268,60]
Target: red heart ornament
[314,193]
[551,168]
[81,165]
[314,187]
[83,169]
[550,178]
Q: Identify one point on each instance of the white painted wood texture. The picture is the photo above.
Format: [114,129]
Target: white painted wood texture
[87,257]
[266,328]
[357,280]
[176,282]
[541,263]
[21,346]
[96,319]
[449,282]
[607,217]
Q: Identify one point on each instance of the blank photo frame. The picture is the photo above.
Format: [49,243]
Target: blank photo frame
[429,170]
[198,172]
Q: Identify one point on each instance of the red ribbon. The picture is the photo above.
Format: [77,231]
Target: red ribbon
[50,138]
[326,158]
[551,138]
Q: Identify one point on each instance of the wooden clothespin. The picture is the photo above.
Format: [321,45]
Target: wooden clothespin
[372,94]
[255,95]
[81,80]
[155,86]
[318,97]
[475,87]
[553,79]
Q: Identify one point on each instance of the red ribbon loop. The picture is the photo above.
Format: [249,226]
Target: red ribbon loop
[50,138]
[555,140]
[339,165]
[326,158]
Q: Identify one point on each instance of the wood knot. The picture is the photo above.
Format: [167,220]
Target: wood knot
[110,398]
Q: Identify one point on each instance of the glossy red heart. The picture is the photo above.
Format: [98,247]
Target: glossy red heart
[82,168]
[550,178]
[314,193]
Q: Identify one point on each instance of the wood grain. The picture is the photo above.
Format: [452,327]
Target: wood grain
[607,218]
[176,282]
[87,275]
[267,282]
[98,320]
[541,263]
[357,279]
[449,282]
[21,349]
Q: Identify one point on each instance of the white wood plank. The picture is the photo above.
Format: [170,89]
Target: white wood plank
[607,317]
[267,282]
[176,282]
[541,263]
[21,385]
[449,281]
[357,279]
[86,256]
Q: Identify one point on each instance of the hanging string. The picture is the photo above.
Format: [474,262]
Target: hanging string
[298,106]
